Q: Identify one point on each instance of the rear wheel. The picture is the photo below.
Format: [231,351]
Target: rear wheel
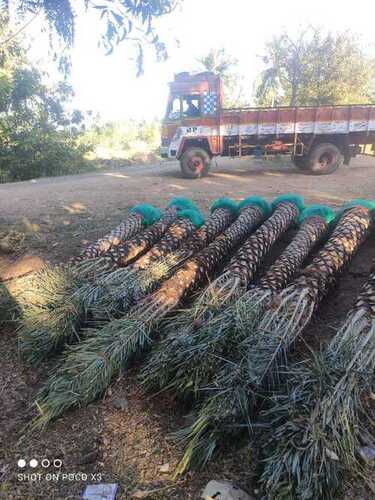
[323,159]
[195,163]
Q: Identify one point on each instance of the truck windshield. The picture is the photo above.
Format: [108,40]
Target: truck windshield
[190,105]
[186,106]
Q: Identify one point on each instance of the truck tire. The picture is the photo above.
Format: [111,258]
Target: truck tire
[195,163]
[323,159]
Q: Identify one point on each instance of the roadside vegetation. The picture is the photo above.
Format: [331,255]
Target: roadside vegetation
[41,134]
[132,141]
[38,135]
[315,68]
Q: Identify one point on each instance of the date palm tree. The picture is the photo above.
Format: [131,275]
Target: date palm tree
[51,285]
[240,272]
[125,286]
[293,308]
[238,382]
[184,362]
[87,369]
[59,313]
[323,415]
[130,250]
[103,297]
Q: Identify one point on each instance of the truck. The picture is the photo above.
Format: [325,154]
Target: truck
[197,128]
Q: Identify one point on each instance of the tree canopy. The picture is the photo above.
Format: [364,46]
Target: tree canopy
[120,20]
[38,134]
[315,68]
[221,63]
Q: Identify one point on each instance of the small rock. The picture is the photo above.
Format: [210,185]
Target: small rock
[141,494]
[121,403]
[164,468]
[223,490]
[331,454]
[367,453]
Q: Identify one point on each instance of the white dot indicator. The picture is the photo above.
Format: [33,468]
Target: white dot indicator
[57,462]
[33,463]
[45,463]
[21,463]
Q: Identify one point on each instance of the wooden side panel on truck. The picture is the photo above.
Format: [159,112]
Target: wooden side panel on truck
[318,138]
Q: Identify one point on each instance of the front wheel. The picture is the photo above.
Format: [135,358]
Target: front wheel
[195,163]
[323,159]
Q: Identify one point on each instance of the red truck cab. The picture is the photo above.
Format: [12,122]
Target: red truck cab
[196,128]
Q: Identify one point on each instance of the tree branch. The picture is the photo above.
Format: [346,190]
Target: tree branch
[22,28]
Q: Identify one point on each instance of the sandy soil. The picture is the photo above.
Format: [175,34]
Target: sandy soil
[113,190]
[125,436]
[85,206]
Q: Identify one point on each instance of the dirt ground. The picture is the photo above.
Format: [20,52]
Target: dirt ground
[125,437]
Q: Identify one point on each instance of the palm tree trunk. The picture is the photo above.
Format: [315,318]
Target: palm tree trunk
[185,362]
[241,270]
[293,308]
[232,386]
[87,369]
[125,286]
[140,216]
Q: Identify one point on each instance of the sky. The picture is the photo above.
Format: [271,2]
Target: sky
[108,84]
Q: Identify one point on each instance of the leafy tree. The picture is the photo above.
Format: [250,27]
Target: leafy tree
[37,135]
[130,140]
[315,68]
[221,63]
[131,20]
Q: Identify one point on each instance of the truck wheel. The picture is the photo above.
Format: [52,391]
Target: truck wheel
[323,159]
[195,163]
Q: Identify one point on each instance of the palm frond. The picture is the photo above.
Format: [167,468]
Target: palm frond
[116,292]
[50,315]
[8,305]
[270,341]
[184,358]
[228,401]
[316,432]
[321,418]
[88,368]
